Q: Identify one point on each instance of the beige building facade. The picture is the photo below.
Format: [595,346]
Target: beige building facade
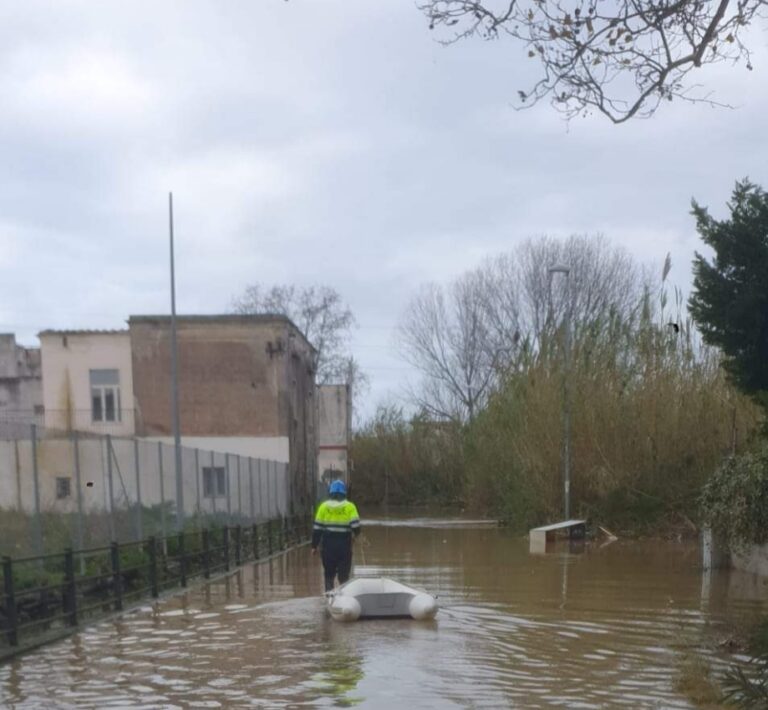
[246,404]
[88,381]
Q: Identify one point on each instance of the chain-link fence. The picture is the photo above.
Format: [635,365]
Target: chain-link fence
[81,490]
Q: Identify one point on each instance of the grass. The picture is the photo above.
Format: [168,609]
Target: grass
[695,681]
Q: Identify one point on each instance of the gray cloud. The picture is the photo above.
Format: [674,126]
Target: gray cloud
[329,142]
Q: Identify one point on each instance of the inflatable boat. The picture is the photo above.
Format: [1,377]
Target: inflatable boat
[378,598]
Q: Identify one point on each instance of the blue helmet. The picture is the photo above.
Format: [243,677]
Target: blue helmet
[337,487]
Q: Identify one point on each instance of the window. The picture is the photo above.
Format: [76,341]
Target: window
[214,477]
[105,395]
[63,487]
[39,409]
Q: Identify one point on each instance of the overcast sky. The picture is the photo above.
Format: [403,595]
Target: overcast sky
[316,141]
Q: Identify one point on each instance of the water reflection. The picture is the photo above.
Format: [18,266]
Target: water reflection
[582,626]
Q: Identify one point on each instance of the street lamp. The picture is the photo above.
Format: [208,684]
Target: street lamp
[175,383]
[560,269]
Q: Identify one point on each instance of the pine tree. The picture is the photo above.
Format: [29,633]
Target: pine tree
[730,298]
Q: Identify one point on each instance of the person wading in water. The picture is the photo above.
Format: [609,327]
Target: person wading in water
[336,523]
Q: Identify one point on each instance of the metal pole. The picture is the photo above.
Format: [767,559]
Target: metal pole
[17,469]
[567,399]
[153,567]
[261,494]
[110,490]
[348,423]
[11,616]
[269,496]
[70,588]
[566,389]
[175,383]
[214,483]
[227,488]
[250,488]
[197,479]
[76,451]
[117,578]
[276,488]
[38,524]
[162,489]
[139,525]
[239,493]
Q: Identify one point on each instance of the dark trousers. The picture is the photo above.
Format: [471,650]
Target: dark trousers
[337,560]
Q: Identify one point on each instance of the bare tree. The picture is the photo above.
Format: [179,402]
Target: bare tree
[323,318]
[619,57]
[444,334]
[498,279]
[604,279]
[465,337]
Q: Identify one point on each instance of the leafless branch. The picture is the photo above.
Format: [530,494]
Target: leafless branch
[320,314]
[621,58]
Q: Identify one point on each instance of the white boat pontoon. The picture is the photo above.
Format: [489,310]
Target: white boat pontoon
[377,598]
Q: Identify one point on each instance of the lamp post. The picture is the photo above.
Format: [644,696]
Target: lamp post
[175,383]
[560,269]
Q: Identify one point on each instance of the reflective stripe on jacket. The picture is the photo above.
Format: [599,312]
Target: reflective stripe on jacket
[335,519]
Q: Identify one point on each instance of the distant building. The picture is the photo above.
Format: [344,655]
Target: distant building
[21,391]
[334,411]
[246,386]
[87,381]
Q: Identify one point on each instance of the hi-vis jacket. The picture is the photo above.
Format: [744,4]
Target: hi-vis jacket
[335,521]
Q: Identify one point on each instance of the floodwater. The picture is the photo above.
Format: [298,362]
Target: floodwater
[586,627]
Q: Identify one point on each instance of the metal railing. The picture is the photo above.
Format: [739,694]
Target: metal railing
[44,597]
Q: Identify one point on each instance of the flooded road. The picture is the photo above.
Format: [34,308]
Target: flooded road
[586,627]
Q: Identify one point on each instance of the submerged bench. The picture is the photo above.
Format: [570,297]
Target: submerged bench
[540,536]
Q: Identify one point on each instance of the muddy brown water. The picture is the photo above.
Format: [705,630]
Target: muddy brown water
[591,626]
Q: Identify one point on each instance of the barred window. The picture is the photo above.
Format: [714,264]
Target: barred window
[63,487]
[214,481]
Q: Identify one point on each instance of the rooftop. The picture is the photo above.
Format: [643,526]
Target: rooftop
[224,318]
[51,331]
[199,318]
[218,318]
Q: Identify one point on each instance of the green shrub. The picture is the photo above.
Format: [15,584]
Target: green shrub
[734,501]
[747,687]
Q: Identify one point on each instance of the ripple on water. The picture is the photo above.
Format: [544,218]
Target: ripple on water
[172,613]
[513,632]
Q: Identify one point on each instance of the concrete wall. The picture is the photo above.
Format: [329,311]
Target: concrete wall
[67,358]
[752,559]
[332,464]
[254,485]
[229,385]
[274,448]
[21,393]
[55,458]
[17,361]
[297,405]
[332,419]
[241,377]
[333,426]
